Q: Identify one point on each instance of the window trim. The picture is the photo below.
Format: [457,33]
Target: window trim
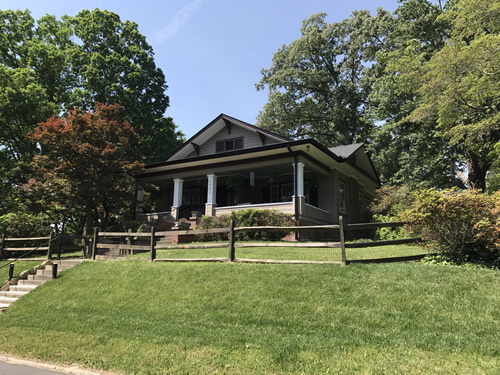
[224,143]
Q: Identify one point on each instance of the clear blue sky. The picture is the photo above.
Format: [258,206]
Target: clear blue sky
[211,51]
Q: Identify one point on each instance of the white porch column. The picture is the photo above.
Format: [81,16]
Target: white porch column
[298,198]
[178,183]
[300,179]
[211,195]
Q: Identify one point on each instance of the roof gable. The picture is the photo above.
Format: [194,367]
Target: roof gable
[224,128]
[356,155]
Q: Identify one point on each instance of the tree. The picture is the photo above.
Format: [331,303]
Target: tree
[406,152]
[44,72]
[115,64]
[88,165]
[461,88]
[318,84]
[439,95]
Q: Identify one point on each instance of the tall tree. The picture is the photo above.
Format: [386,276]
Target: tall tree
[439,95]
[44,72]
[406,152]
[461,88]
[114,64]
[318,84]
[87,167]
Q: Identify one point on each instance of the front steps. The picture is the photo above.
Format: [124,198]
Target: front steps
[24,286]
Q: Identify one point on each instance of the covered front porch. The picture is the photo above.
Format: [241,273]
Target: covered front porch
[288,185]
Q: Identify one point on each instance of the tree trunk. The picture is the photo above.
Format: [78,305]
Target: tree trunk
[476,176]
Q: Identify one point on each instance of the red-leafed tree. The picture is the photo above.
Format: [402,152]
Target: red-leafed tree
[87,165]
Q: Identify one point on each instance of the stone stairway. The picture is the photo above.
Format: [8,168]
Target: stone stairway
[26,285]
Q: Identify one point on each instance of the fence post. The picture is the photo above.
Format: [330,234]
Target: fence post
[49,251]
[2,245]
[342,240]
[232,239]
[153,245]
[94,243]
[84,243]
[11,271]
[129,242]
[54,271]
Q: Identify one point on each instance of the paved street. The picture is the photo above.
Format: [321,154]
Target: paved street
[10,369]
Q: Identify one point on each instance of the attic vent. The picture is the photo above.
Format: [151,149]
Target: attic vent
[229,145]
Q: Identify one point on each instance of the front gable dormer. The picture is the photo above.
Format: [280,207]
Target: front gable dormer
[223,135]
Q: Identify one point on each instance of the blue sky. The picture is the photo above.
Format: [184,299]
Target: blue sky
[211,51]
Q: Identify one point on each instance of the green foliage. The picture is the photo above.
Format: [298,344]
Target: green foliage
[88,166]
[391,201]
[248,218]
[457,87]
[463,224]
[387,206]
[319,83]
[44,72]
[406,152]
[460,260]
[25,224]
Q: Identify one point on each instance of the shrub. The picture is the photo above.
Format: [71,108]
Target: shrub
[248,218]
[387,206]
[23,224]
[462,224]
[384,234]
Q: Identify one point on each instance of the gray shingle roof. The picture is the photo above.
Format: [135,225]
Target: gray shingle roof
[346,151]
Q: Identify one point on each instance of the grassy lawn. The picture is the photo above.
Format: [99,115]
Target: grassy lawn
[221,318]
[19,266]
[290,253]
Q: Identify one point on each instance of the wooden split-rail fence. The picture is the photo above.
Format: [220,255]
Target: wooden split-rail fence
[52,245]
[128,243]
[153,241]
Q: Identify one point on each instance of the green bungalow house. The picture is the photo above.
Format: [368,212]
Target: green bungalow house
[232,165]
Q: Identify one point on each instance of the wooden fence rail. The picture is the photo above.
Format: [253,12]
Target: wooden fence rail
[131,242]
[341,229]
[50,244]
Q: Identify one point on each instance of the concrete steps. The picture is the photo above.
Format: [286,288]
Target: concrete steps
[25,286]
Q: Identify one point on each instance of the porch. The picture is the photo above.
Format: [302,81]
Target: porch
[291,188]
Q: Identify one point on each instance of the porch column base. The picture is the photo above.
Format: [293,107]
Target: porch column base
[210,209]
[174,211]
[300,201]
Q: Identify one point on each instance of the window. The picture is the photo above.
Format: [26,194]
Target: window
[342,194]
[286,192]
[229,145]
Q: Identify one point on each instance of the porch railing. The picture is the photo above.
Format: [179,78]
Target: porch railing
[286,207]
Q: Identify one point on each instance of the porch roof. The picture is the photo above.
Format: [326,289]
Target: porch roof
[309,149]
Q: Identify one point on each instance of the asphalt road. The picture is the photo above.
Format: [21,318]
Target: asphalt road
[11,369]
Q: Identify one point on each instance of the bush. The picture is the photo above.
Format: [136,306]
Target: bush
[461,224]
[23,224]
[248,218]
[387,206]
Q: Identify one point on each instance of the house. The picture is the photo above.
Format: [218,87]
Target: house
[231,165]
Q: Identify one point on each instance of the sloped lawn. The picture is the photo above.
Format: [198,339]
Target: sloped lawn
[292,253]
[156,318]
